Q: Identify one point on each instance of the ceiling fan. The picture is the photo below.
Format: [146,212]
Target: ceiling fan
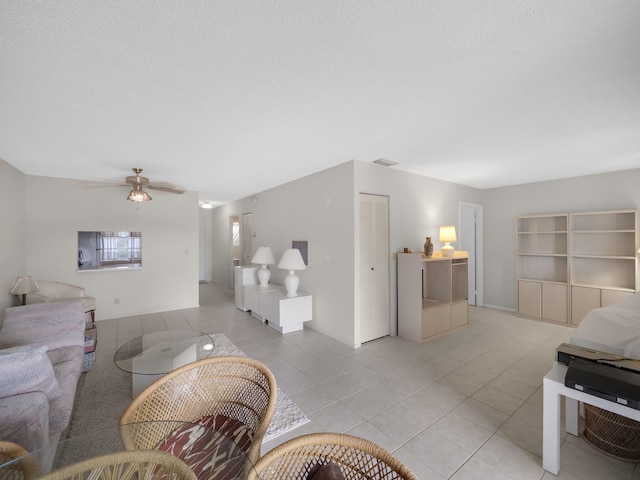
[137,194]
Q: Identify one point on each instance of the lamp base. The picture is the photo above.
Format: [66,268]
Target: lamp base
[264,274]
[447,250]
[291,282]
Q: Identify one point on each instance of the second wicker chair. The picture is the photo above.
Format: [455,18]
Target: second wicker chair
[357,458]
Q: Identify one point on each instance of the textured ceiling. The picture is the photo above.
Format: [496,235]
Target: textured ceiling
[229,98]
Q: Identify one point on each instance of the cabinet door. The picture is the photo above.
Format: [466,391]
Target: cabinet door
[459,314]
[444,318]
[607,297]
[530,299]
[429,322]
[583,300]
[555,302]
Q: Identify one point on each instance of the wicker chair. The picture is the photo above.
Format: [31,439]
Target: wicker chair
[22,469]
[127,465]
[240,388]
[358,459]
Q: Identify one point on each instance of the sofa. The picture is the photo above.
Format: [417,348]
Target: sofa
[41,360]
[50,292]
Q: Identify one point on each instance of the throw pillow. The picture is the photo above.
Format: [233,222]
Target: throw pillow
[328,471]
[213,446]
[27,369]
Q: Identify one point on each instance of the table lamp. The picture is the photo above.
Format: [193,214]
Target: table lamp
[263,257]
[291,260]
[447,235]
[22,286]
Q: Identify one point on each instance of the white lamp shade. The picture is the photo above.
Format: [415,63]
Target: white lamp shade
[448,234]
[263,256]
[292,260]
[24,285]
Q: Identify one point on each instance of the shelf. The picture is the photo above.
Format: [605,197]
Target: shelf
[431,303]
[534,254]
[603,287]
[527,279]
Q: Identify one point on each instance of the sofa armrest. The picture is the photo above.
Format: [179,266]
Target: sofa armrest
[25,419]
[56,325]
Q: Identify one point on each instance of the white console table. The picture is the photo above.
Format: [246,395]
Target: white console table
[553,389]
[270,304]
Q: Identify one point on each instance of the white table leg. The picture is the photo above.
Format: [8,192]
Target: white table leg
[571,415]
[551,427]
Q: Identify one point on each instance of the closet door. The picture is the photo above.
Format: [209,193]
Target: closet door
[374,267]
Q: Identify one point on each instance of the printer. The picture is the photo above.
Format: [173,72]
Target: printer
[601,374]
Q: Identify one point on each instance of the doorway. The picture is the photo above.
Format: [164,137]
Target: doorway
[374,267]
[471,234]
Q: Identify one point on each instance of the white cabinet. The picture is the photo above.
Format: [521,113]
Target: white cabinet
[432,295]
[282,313]
[542,267]
[569,264]
[243,276]
[604,264]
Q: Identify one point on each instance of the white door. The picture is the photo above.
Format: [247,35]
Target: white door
[471,241]
[374,267]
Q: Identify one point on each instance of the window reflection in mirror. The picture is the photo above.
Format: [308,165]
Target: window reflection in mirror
[109,250]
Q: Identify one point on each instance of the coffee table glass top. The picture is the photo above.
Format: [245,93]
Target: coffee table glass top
[160,352]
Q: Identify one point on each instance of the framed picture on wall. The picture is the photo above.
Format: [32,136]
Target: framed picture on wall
[301,245]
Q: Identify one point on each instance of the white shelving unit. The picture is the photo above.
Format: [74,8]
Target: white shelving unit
[542,266]
[272,305]
[569,264]
[432,295]
[604,263]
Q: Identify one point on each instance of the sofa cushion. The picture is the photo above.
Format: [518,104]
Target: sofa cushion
[67,372]
[55,325]
[26,369]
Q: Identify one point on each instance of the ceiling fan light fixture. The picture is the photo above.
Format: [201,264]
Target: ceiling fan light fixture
[138,195]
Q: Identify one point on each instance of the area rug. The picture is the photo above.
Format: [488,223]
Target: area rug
[104,392]
[287,415]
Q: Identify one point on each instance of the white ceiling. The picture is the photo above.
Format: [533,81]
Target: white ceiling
[230,98]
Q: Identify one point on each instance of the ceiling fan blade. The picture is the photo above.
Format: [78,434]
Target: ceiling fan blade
[137,180]
[165,187]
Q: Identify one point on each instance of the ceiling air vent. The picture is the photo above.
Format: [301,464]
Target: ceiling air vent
[384,162]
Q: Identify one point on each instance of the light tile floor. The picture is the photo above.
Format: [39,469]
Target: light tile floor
[464,406]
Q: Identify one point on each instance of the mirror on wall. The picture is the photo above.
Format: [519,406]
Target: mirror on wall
[109,250]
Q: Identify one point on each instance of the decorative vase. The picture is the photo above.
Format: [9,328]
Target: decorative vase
[428,247]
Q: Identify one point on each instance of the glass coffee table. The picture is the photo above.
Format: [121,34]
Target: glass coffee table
[152,355]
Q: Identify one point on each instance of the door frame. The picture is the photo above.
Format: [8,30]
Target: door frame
[476,255]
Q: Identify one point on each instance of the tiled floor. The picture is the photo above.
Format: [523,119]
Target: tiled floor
[465,406]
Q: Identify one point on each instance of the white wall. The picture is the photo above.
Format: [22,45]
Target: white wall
[56,209]
[319,209]
[418,206]
[13,227]
[610,191]
[323,209]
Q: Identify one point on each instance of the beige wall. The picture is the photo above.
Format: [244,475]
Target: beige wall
[40,218]
[609,191]
[13,227]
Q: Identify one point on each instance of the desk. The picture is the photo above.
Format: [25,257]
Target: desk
[553,388]
[152,355]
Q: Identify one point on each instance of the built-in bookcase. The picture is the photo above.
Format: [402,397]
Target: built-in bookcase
[568,264]
[542,267]
[604,265]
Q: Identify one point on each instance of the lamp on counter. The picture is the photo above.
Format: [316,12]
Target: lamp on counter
[448,235]
[263,257]
[22,286]
[291,260]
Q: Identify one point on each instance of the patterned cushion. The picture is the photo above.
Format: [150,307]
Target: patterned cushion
[214,446]
[27,369]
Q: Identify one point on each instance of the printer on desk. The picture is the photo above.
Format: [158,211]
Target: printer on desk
[601,374]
